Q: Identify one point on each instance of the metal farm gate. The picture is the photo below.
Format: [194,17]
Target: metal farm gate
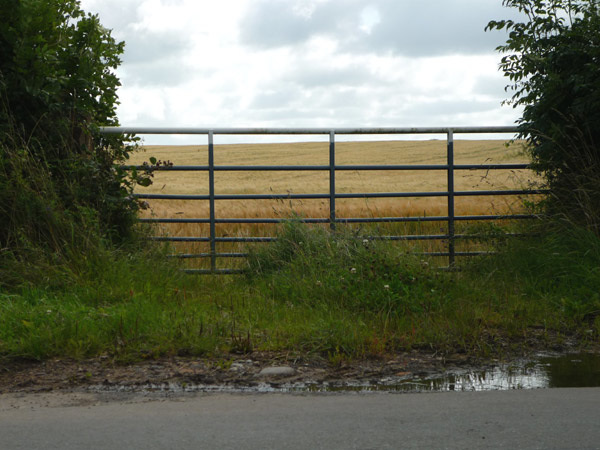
[332,168]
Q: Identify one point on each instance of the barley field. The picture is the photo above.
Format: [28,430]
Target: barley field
[317,153]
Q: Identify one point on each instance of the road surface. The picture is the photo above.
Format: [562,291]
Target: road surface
[544,418]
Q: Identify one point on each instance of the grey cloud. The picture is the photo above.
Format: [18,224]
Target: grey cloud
[172,2]
[350,107]
[320,98]
[156,73]
[145,46]
[154,59]
[327,76]
[275,99]
[406,27]
[115,14]
[438,112]
[231,102]
[449,107]
[346,99]
[273,23]
[443,27]
[290,116]
[491,86]
[142,45]
[320,106]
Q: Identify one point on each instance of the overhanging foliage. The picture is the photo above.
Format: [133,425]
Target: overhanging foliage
[553,63]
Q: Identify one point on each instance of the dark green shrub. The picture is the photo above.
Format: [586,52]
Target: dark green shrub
[552,61]
[57,85]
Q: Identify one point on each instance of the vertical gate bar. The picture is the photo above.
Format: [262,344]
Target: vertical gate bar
[451,233]
[332,180]
[211,190]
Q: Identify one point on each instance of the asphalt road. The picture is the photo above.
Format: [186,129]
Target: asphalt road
[545,418]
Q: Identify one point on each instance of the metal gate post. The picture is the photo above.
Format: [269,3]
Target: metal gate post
[211,194]
[451,233]
[332,180]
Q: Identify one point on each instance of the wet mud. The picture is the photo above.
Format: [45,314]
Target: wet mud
[267,372]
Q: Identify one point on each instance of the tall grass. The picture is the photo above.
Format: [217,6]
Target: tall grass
[41,239]
[550,283]
[559,263]
[314,293]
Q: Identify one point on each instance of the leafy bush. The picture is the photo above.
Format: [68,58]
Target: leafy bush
[552,61]
[57,85]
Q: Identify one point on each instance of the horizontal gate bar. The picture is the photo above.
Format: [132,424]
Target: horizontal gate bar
[491,166]
[208,255]
[254,221]
[326,196]
[455,253]
[509,192]
[289,196]
[290,168]
[322,168]
[370,238]
[245,255]
[272,239]
[345,220]
[293,131]
[214,271]
[207,239]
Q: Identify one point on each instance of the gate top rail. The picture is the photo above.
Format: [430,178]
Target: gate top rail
[253,131]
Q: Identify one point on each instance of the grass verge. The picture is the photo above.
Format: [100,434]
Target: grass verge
[312,293]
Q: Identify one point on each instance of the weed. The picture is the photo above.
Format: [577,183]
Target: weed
[313,292]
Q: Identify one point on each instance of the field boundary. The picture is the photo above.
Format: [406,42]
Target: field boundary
[332,168]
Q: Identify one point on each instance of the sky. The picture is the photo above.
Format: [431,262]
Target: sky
[307,63]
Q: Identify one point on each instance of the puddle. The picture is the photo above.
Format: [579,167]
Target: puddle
[573,370]
[577,370]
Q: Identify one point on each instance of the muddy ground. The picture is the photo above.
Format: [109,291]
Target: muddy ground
[233,371]
[239,372]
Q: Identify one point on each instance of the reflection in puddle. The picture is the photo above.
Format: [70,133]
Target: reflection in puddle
[574,370]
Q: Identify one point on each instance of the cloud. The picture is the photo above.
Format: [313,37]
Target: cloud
[156,73]
[114,14]
[491,86]
[320,76]
[271,23]
[278,98]
[401,27]
[307,62]
[433,28]
[148,46]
